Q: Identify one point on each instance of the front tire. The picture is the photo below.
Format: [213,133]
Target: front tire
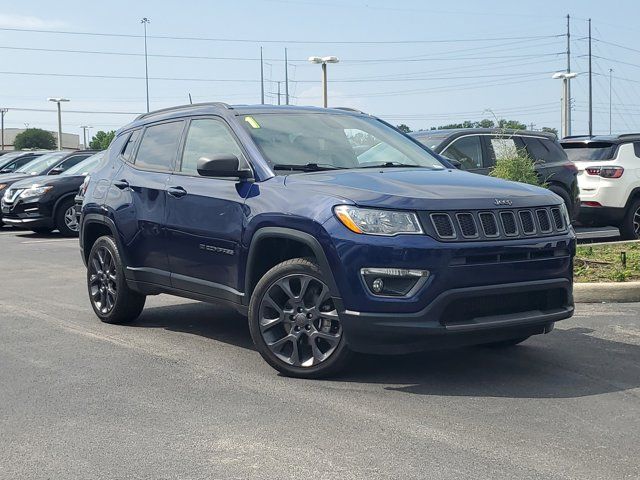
[110,296]
[630,228]
[294,323]
[66,219]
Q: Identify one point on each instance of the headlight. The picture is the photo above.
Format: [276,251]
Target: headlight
[35,191]
[565,213]
[377,222]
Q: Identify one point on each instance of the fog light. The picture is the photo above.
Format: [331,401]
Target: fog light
[377,286]
[393,282]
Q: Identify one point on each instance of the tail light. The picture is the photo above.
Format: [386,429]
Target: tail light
[605,172]
[84,186]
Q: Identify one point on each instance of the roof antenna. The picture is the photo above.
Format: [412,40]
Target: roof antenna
[190,101]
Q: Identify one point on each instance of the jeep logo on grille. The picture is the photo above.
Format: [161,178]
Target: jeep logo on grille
[503,202]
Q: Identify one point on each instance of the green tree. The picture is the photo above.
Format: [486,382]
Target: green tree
[485,123]
[101,140]
[511,124]
[550,130]
[404,128]
[34,138]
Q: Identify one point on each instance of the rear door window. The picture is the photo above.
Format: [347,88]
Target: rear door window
[636,149]
[159,146]
[467,150]
[536,149]
[590,152]
[503,147]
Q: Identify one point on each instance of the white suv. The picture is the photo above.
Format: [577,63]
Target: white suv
[609,180]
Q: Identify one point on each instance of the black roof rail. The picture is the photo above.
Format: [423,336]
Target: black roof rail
[184,107]
[629,135]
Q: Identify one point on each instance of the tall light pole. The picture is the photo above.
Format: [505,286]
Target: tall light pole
[2,112]
[84,134]
[144,23]
[59,101]
[566,101]
[323,61]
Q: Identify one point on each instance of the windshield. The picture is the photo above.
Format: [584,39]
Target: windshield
[41,164]
[433,140]
[85,166]
[7,157]
[332,141]
[587,152]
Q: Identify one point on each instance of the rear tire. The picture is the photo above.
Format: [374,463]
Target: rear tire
[110,296]
[630,228]
[562,193]
[66,220]
[294,323]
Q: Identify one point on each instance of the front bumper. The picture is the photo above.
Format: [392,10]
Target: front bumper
[464,316]
[477,291]
[28,214]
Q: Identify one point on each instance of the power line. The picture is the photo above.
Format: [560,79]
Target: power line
[303,42]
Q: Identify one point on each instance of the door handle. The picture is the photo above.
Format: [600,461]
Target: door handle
[121,184]
[176,192]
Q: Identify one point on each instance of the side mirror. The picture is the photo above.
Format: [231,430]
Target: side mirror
[225,165]
[56,171]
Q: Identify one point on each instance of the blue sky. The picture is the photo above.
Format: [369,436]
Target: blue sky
[427,63]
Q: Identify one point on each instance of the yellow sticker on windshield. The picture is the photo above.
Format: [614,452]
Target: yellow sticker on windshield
[252,121]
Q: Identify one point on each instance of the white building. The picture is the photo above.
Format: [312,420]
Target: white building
[70,141]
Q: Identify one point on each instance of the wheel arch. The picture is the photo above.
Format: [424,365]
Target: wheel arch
[94,226]
[283,244]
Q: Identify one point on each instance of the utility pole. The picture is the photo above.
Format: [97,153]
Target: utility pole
[286,78]
[261,78]
[567,101]
[2,112]
[84,134]
[278,92]
[590,87]
[610,83]
[531,125]
[144,23]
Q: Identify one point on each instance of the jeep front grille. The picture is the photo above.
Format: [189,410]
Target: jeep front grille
[498,224]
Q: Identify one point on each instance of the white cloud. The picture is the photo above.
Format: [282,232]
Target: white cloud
[8,20]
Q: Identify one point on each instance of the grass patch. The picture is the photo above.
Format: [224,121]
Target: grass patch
[607,263]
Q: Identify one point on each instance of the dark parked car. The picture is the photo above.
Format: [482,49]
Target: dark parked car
[328,249]
[52,163]
[476,149]
[11,161]
[47,202]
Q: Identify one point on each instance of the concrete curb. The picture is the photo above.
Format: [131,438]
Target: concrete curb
[614,292]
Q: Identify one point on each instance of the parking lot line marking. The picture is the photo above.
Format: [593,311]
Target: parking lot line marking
[28,242]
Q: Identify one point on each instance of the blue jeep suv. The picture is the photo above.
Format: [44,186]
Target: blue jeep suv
[329,229]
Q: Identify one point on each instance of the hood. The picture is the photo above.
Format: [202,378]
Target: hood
[422,189]
[54,180]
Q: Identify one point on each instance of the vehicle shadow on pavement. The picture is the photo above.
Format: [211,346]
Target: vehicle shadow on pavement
[28,235]
[207,320]
[564,364]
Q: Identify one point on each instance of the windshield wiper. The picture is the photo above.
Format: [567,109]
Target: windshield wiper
[309,167]
[394,165]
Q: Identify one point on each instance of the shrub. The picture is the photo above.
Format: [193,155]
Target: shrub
[517,166]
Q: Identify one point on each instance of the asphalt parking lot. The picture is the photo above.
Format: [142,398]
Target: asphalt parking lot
[182,394]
